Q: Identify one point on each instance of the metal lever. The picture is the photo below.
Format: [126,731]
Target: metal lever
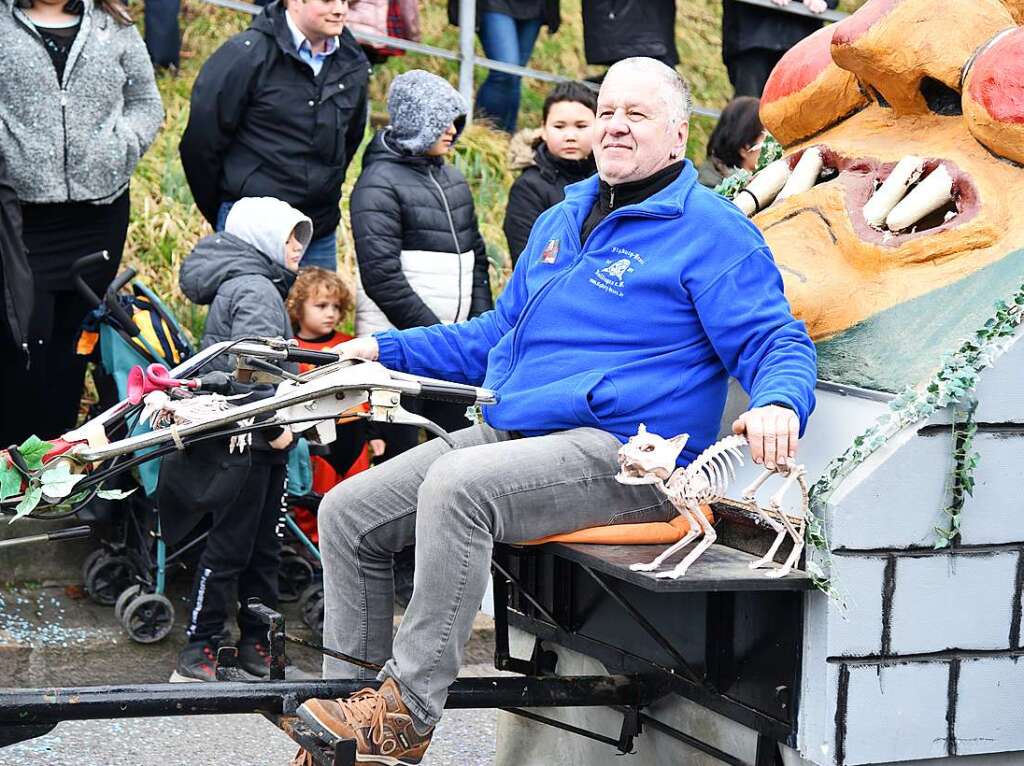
[275,636]
[386,407]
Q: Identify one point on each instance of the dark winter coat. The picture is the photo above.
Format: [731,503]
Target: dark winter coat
[261,124]
[618,29]
[746,27]
[421,257]
[542,185]
[15,274]
[552,13]
[244,289]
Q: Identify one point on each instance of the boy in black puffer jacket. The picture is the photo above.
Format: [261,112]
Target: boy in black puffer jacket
[244,274]
[421,258]
[561,156]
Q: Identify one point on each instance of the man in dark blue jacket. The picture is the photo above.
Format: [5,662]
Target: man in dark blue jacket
[279,111]
[633,302]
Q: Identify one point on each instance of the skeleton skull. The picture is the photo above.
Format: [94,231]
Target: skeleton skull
[648,458]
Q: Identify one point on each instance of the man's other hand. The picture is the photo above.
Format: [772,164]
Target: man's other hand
[772,433]
[358,348]
[816,6]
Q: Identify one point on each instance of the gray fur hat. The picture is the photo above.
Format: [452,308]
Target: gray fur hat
[421,105]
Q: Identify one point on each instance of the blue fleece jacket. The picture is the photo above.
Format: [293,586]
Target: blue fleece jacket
[644,324]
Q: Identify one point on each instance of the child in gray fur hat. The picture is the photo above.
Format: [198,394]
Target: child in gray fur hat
[421,258]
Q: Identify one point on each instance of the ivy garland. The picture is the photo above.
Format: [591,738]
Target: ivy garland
[952,385]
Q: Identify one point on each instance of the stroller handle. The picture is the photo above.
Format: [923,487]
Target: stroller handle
[115,308]
[80,265]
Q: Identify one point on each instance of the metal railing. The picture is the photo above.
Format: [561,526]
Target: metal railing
[468,60]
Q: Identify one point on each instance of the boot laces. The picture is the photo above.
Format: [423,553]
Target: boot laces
[366,707]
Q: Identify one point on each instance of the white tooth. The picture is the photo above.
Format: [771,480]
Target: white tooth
[932,193]
[762,188]
[805,174]
[888,195]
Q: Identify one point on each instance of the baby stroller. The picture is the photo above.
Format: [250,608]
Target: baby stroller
[130,328]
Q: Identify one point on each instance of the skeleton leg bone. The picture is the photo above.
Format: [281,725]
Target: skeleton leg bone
[796,532]
[708,539]
[660,559]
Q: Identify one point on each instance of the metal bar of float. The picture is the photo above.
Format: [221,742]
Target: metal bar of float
[527,595]
[467,51]
[646,625]
[22,707]
[563,726]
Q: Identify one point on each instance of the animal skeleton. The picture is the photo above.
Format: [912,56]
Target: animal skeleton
[650,459]
[162,411]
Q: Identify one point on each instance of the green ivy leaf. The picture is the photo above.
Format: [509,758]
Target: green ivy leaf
[28,503]
[32,450]
[58,482]
[114,494]
[10,480]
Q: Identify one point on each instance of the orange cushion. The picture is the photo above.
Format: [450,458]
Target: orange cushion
[648,533]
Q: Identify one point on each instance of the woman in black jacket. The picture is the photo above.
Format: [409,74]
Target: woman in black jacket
[561,156]
[421,257]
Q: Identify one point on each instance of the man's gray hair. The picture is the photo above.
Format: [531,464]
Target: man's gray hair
[675,91]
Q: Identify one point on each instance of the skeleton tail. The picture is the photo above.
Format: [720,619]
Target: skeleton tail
[717,464]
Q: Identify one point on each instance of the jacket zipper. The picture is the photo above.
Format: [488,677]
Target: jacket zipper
[63,97]
[455,238]
[531,306]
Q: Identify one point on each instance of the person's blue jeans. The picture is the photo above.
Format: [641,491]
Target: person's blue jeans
[510,40]
[322,252]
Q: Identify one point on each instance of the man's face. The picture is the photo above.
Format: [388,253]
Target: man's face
[633,135]
[319,18]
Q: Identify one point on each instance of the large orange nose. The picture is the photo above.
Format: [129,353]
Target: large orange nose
[909,54]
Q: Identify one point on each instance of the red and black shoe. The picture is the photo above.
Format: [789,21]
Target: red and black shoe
[196,662]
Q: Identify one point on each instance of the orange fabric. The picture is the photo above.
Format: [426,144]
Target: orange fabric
[325,477]
[649,533]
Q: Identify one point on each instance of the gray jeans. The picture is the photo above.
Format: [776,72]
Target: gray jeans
[454,504]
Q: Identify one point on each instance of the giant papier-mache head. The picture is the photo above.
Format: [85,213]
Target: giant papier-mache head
[900,219]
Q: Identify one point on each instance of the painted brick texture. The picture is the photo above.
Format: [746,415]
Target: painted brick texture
[896,713]
[995,514]
[953,602]
[858,630]
[989,714]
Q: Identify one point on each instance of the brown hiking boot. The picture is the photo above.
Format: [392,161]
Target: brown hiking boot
[377,720]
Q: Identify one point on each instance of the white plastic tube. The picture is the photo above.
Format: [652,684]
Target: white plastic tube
[932,193]
[763,188]
[804,175]
[893,189]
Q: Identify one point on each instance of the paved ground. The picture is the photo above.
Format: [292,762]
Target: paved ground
[51,636]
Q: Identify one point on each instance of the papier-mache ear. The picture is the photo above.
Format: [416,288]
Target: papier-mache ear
[993,95]
[807,92]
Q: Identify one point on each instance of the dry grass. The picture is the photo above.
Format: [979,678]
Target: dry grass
[165,224]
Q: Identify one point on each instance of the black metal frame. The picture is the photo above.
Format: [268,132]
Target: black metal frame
[534,590]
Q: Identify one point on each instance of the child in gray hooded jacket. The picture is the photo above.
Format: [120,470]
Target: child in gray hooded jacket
[243,274]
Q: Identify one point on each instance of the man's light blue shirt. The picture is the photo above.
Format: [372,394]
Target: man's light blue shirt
[305,50]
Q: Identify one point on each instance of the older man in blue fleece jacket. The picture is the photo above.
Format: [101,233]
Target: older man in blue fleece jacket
[634,301]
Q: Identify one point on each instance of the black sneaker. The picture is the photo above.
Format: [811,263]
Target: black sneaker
[196,662]
[254,657]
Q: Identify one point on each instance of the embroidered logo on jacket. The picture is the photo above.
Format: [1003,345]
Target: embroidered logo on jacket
[612,277]
[550,252]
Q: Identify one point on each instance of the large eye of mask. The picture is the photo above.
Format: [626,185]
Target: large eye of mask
[993,95]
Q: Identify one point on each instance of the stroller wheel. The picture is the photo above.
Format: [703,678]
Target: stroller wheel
[148,618]
[108,577]
[91,560]
[293,577]
[126,597]
[311,607]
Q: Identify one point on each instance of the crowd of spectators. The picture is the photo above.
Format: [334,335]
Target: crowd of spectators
[277,115]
